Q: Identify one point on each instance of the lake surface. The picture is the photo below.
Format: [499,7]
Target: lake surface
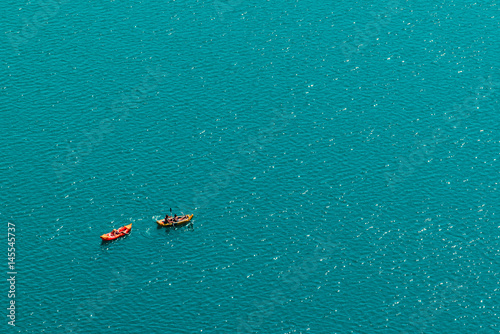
[340,160]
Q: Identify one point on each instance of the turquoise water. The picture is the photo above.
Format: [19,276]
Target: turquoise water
[340,160]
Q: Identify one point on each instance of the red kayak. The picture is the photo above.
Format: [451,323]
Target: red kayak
[124,230]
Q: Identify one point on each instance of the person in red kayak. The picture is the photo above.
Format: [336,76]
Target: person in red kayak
[115,232]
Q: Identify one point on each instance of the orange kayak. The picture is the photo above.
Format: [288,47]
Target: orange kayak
[124,230]
[180,221]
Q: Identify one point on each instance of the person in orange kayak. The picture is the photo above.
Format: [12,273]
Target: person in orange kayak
[116,232]
[166,218]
